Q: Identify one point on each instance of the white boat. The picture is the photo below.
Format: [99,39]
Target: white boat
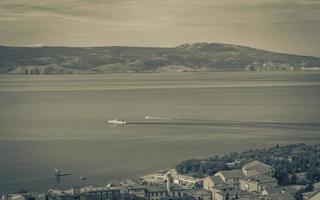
[58,173]
[116,121]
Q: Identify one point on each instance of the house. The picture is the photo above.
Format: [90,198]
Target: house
[231,177]
[186,180]
[127,183]
[257,183]
[277,193]
[200,194]
[24,196]
[316,185]
[157,192]
[301,177]
[211,182]
[233,164]
[86,193]
[256,167]
[102,193]
[71,194]
[313,195]
[138,190]
[230,195]
[158,177]
[176,191]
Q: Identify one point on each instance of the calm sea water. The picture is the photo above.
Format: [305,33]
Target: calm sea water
[49,122]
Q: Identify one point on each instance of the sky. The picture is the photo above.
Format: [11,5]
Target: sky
[290,26]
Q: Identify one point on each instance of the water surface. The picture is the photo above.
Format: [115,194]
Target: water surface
[59,121]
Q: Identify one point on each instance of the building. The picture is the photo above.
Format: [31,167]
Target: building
[230,195]
[256,167]
[157,192]
[138,190]
[186,180]
[101,193]
[257,183]
[176,191]
[127,183]
[313,195]
[211,182]
[277,193]
[316,185]
[86,193]
[160,191]
[200,194]
[301,177]
[24,196]
[158,177]
[231,177]
[233,164]
[71,194]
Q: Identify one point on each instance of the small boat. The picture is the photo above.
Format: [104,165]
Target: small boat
[116,121]
[83,178]
[147,117]
[58,173]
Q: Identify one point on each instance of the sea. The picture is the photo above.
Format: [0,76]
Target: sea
[52,122]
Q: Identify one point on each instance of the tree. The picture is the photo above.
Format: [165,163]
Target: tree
[282,177]
[293,179]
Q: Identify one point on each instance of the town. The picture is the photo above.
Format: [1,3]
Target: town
[254,180]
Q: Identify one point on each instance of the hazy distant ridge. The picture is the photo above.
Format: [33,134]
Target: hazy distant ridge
[186,57]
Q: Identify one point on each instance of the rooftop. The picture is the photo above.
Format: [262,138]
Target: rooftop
[87,189]
[311,194]
[258,166]
[187,178]
[157,188]
[216,180]
[230,174]
[278,193]
[261,179]
[97,189]
[137,187]
[233,192]
[281,196]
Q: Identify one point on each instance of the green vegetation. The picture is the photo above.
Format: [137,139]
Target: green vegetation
[286,160]
[186,57]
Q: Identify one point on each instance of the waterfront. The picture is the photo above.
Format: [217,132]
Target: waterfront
[51,122]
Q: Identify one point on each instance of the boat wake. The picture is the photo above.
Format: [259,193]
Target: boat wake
[156,118]
[226,123]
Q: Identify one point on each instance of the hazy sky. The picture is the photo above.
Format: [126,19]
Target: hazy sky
[281,25]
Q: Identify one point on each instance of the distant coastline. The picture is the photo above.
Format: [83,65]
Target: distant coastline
[197,57]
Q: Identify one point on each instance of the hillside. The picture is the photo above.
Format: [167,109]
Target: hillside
[287,161]
[186,57]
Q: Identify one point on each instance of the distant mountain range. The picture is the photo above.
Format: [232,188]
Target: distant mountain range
[116,59]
